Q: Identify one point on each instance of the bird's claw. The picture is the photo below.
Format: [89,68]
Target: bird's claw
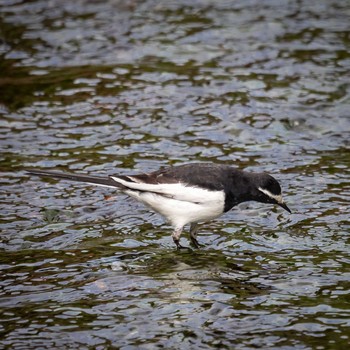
[195,242]
[178,245]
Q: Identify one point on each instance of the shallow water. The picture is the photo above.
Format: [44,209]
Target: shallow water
[130,86]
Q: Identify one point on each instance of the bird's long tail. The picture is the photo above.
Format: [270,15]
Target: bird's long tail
[100,181]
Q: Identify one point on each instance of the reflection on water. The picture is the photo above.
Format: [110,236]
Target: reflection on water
[130,86]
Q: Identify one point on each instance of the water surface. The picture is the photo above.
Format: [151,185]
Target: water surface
[130,86]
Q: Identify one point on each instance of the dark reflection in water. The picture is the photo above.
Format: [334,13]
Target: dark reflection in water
[130,86]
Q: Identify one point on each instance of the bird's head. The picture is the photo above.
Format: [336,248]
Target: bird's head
[269,191]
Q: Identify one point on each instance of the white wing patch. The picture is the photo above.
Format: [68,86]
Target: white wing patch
[135,179]
[101,185]
[177,191]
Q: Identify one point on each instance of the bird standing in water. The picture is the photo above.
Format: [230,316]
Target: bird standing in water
[189,193]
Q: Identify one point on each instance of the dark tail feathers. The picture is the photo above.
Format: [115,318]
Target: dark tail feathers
[73,177]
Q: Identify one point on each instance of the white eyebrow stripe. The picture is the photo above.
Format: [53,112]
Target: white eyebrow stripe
[277,198]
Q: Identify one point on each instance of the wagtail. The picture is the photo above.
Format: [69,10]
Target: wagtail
[189,193]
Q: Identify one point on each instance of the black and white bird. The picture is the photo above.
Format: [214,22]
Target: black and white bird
[189,193]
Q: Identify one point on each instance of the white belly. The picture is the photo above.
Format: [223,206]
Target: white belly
[181,212]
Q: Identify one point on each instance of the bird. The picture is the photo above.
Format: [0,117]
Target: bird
[189,193]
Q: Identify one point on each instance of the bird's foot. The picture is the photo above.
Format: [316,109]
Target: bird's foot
[178,245]
[195,242]
[193,235]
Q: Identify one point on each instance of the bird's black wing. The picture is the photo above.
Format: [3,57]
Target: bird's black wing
[204,175]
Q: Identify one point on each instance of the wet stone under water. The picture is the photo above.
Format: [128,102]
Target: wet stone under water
[130,86]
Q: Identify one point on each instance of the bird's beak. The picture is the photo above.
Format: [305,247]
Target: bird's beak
[284,206]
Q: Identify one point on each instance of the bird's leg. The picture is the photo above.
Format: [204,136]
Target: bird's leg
[193,234]
[176,237]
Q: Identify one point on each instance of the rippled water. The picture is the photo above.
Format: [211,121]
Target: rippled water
[129,86]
